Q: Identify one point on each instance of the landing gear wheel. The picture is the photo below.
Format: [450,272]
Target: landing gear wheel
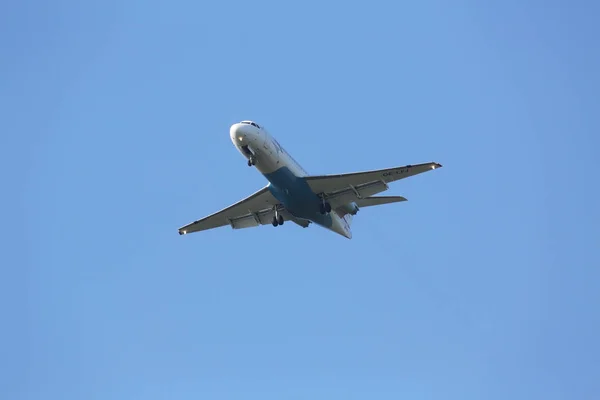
[251,161]
[325,208]
[277,219]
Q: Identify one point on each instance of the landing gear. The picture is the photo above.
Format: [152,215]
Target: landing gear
[325,207]
[251,161]
[277,219]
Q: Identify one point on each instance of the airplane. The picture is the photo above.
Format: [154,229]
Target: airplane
[329,201]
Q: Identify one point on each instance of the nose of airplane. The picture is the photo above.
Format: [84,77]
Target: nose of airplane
[239,133]
[236,133]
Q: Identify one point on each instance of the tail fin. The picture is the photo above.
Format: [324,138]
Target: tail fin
[347,212]
[348,218]
[347,222]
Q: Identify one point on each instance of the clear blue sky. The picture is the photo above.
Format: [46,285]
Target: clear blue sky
[115,119]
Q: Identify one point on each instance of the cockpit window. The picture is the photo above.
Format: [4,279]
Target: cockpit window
[250,123]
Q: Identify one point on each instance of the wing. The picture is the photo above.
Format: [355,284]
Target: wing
[256,209]
[344,188]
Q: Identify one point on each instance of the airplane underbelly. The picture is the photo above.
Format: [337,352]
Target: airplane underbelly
[293,192]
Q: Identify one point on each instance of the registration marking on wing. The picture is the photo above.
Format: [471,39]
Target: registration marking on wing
[396,172]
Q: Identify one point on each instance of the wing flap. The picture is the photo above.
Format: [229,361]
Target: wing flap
[246,221]
[352,193]
[265,217]
[334,183]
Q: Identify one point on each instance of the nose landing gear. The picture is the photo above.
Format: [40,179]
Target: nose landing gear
[250,154]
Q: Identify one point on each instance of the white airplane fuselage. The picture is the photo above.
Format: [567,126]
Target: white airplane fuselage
[285,176]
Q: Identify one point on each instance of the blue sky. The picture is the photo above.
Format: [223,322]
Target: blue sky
[115,119]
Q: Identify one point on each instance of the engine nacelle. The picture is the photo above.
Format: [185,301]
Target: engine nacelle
[351,208]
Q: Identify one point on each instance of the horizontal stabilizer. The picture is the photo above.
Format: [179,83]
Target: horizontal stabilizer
[376,201]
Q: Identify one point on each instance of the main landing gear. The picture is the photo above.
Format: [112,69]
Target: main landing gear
[251,161]
[277,219]
[325,207]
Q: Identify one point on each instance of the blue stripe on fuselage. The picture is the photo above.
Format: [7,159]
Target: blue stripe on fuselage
[296,196]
